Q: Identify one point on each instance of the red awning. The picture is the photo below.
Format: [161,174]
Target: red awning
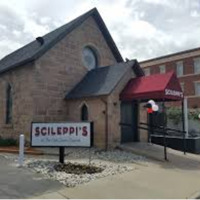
[158,87]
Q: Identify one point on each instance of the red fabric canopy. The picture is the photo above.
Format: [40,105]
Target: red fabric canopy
[158,86]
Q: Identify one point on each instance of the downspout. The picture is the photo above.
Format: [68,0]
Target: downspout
[106,123]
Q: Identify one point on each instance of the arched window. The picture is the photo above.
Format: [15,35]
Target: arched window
[84,113]
[9,104]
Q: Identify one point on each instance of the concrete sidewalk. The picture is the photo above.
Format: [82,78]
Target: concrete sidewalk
[150,150]
[153,182]
[176,159]
[19,182]
[157,179]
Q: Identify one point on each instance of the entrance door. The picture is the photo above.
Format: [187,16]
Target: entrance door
[129,113]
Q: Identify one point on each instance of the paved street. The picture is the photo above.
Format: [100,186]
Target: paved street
[22,183]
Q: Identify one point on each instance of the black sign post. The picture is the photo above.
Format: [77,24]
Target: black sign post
[62,155]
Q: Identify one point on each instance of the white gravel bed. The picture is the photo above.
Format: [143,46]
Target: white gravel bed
[94,153]
[113,162]
[46,168]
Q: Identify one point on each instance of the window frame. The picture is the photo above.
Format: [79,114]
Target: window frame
[161,67]
[147,69]
[95,55]
[9,104]
[195,88]
[182,86]
[196,65]
[84,113]
[178,66]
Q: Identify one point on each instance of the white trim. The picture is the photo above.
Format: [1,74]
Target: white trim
[82,103]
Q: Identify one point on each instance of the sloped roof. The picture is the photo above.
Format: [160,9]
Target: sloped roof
[103,80]
[34,50]
[157,86]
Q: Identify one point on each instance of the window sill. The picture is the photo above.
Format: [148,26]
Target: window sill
[8,126]
[193,96]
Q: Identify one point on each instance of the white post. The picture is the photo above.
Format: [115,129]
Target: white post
[185,102]
[21,150]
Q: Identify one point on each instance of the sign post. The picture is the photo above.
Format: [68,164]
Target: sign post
[61,135]
[62,154]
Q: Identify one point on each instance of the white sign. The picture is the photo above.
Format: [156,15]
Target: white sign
[173,93]
[70,134]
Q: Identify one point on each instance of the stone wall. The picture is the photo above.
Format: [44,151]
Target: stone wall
[114,113]
[61,68]
[22,82]
[97,113]
[39,88]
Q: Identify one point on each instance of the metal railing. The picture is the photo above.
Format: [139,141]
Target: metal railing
[163,131]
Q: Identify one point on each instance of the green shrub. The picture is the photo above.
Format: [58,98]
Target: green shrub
[175,114]
[193,114]
[8,142]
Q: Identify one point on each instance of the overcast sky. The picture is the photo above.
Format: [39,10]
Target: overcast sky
[142,29]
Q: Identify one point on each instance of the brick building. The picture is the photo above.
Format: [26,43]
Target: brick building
[73,73]
[186,65]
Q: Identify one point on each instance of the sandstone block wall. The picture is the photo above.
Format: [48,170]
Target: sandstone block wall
[39,88]
[22,83]
[61,68]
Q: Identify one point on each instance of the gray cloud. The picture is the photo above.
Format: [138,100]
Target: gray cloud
[142,29]
[174,27]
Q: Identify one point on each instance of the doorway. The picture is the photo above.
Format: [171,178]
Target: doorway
[129,121]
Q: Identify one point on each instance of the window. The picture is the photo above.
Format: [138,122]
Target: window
[182,86]
[9,104]
[84,113]
[196,65]
[179,68]
[89,58]
[197,88]
[147,71]
[162,69]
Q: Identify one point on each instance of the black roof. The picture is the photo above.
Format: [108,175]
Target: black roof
[103,80]
[34,50]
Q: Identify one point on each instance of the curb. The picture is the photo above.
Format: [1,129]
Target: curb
[17,151]
[195,195]
[141,153]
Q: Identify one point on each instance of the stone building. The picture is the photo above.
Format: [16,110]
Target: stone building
[186,65]
[73,73]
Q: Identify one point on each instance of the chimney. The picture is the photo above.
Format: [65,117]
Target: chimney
[40,40]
